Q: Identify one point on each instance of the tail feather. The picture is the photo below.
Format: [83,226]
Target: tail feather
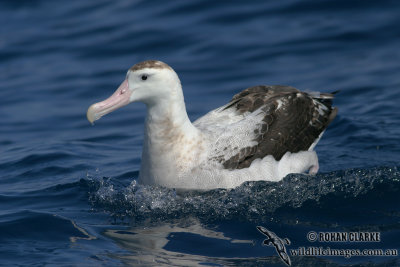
[324,98]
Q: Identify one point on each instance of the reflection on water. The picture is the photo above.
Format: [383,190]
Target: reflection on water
[164,245]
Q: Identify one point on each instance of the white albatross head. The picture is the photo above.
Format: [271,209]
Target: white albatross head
[147,82]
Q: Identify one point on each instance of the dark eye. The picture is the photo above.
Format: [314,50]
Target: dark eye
[144,77]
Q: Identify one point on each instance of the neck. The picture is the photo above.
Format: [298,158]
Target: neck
[169,138]
[167,118]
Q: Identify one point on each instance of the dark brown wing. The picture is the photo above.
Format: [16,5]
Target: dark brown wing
[293,121]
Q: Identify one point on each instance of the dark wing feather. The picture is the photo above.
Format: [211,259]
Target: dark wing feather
[294,126]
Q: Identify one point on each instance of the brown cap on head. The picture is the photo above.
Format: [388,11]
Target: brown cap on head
[155,64]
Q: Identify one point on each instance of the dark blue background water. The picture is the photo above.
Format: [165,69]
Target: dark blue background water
[66,196]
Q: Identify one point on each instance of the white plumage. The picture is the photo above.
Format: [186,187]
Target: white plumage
[227,146]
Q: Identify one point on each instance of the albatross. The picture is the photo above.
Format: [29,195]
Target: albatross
[264,133]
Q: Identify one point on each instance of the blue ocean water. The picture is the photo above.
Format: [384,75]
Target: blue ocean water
[67,189]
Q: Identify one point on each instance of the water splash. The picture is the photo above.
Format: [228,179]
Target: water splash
[252,201]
